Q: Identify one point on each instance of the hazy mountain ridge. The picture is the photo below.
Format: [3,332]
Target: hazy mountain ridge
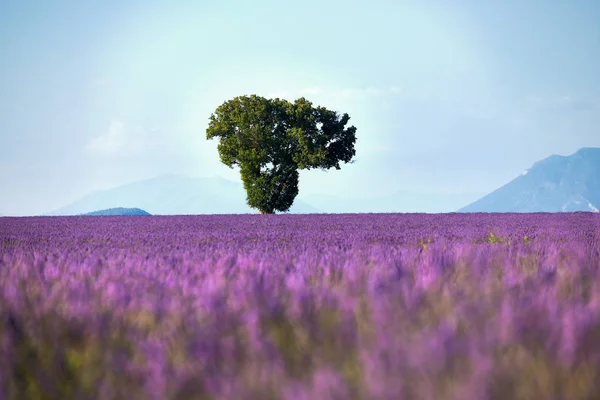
[398,202]
[554,184]
[173,195]
[119,211]
[178,195]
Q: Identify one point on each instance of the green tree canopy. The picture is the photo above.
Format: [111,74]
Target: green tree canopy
[271,139]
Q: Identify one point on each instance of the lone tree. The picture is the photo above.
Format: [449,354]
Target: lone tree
[270,139]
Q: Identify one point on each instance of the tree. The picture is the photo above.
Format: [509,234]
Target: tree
[271,139]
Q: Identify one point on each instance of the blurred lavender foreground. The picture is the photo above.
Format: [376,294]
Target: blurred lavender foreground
[371,306]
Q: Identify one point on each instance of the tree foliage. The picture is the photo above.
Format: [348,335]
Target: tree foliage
[271,139]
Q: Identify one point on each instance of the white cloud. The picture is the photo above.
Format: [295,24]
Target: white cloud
[395,89]
[359,93]
[121,139]
[110,142]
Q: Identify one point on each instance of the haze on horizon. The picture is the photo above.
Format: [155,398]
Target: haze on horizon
[446,98]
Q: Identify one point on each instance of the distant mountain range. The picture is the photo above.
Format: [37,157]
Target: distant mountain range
[555,184]
[173,195]
[118,211]
[397,202]
[178,195]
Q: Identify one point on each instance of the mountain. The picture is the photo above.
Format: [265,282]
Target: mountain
[400,201]
[118,211]
[173,195]
[555,184]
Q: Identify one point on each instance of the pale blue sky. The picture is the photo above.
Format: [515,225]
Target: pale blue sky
[447,96]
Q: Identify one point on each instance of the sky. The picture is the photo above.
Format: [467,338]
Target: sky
[447,97]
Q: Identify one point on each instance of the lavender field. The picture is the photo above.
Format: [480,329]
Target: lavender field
[369,306]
